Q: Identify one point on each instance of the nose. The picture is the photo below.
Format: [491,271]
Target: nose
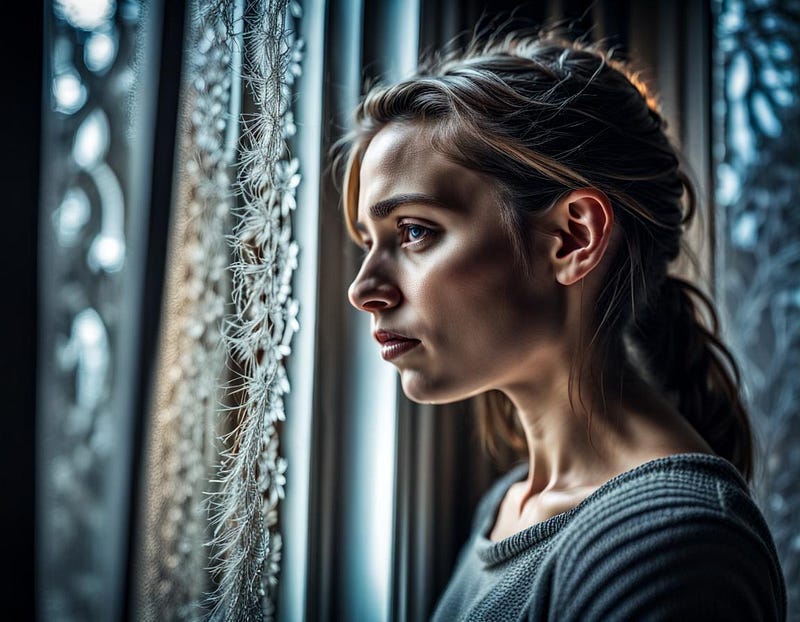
[373,291]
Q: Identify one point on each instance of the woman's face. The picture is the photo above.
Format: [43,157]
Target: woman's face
[450,306]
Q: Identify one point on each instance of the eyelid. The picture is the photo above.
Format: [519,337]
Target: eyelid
[402,225]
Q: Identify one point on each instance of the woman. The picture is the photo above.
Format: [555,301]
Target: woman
[519,205]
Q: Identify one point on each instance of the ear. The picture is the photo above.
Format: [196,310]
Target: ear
[580,224]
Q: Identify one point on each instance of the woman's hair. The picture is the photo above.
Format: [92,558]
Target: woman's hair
[542,115]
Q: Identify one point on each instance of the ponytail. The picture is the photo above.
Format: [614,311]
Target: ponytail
[692,365]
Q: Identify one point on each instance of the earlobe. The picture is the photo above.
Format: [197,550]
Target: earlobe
[581,223]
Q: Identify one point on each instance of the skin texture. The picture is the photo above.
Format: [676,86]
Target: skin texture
[446,274]
[458,289]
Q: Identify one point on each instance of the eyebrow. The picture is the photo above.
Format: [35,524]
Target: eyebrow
[382,209]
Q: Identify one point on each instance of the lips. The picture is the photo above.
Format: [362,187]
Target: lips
[394,344]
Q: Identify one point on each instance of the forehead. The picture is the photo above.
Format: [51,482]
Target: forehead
[400,159]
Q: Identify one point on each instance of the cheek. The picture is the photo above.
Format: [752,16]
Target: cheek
[477,301]
[474,297]
[479,317]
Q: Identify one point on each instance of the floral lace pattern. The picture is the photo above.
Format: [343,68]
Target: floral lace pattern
[246,542]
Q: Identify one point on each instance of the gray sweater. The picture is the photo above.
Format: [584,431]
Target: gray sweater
[676,538]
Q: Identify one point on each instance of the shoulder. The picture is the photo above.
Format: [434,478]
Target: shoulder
[677,539]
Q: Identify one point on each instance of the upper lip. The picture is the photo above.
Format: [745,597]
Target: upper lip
[389,335]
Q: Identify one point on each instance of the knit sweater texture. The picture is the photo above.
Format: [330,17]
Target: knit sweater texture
[676,538]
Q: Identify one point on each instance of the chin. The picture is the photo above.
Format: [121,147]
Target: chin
[424,389]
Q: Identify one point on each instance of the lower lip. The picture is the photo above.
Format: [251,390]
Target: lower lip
[390,350]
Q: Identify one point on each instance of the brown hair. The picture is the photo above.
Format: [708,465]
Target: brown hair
[543,115]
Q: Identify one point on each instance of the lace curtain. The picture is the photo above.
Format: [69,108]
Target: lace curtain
[206,541]
[244,197]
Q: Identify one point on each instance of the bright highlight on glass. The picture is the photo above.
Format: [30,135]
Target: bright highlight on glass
[99,51]
[87,351]
[91,140]
[71,216]
[107,253]
[69,92]
[85,14]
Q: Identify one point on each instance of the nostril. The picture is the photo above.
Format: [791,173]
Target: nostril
[372,305]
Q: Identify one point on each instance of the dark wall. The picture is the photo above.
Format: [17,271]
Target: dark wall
[21,58]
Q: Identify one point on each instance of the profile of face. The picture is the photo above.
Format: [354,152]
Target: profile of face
[452,308]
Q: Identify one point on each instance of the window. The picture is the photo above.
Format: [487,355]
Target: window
[154,186]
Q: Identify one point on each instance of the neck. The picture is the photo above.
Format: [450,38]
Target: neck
[558,432]
[602,431]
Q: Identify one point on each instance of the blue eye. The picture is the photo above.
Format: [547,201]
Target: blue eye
[412,233]
[415,232]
